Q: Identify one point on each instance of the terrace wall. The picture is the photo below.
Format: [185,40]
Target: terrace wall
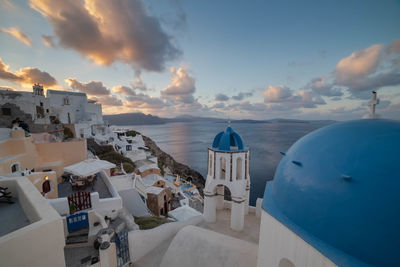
[41,243]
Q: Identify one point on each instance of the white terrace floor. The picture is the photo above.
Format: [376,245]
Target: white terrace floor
[250,232]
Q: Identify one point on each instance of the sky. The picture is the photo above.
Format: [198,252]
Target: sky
[227,59]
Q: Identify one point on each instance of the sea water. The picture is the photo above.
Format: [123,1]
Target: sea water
[187,142]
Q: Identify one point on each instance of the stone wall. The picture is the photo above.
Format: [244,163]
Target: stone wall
[16,112]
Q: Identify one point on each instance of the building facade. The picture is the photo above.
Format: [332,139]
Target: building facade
[35,108]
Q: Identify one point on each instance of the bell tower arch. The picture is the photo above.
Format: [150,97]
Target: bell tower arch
[228,166]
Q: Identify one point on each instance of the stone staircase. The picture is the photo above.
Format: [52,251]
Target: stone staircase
[77,237]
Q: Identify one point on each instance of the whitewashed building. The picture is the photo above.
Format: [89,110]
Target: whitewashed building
[65,106]
[16,103]
[75,108]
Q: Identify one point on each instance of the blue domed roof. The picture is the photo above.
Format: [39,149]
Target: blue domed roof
[228,141]
[338,189]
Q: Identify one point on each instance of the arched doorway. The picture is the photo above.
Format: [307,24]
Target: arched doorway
[46,187]
[223,193]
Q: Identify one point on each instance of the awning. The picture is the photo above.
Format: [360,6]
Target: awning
[89,167]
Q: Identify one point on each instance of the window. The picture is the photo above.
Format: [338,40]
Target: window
[239,174]
[6,111]
[223,168]
[210,165]
[39,112]
[47,110]
[41,104]
[66,100]
[15,167]
[128,148]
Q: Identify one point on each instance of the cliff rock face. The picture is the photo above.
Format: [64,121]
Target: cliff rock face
[176,168]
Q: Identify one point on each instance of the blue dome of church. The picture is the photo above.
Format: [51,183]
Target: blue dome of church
[338,189]
[228,140]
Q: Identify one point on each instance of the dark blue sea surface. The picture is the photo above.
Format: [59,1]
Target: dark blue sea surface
[188,143]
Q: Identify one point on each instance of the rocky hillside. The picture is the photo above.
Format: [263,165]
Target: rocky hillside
[165,160]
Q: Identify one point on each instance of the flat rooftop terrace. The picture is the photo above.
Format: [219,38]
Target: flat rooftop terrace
[250,232]
[65,189]
[12,217]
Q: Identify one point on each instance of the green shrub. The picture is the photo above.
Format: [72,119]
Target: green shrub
[131,133]
[149,222]
[115,158]
[68,133]
[128,167]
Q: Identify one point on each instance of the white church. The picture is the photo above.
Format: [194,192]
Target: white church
[332,202]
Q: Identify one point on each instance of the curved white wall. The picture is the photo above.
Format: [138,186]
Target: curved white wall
[277,242]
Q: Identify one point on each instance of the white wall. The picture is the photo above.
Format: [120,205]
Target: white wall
[40,243]
[278,242]
[27,102]
[94,113]
[141,242]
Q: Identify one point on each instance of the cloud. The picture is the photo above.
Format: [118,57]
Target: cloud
[98,91]
[48,40]
[368,70]
[321,86]
[138,84]
[5,74]
[181,88]
[139,100]
[34,75]
[286,98]
[16,33]
[221,97]
[361,72]
[142,101]
[110,30]
[90,88]
[26,75]
[358,65]
[124,90]
[108,100]
[218,106]
[7,4]
[241,96]
[277,94]
[394,47]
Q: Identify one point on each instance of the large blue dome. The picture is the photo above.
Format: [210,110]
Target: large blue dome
[228,140]
[338,189]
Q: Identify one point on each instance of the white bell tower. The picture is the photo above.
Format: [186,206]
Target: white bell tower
[228,166]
